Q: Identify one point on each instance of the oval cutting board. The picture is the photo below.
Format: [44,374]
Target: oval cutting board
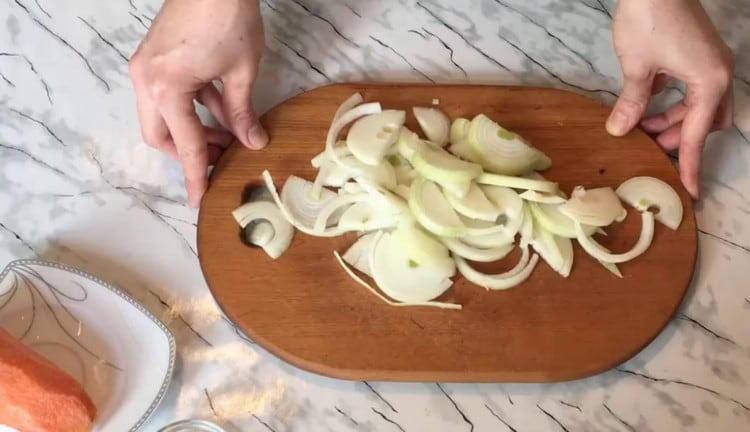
[305,309]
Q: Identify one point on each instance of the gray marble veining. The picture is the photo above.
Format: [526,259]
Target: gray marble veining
[78,185]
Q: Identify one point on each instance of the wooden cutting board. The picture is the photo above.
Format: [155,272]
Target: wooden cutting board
[304,309]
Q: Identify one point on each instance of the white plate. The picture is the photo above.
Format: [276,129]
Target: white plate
[120,352]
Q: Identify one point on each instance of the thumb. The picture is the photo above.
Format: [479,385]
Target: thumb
[631,104]
[238,106]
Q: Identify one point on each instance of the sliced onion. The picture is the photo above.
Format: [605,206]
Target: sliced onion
[596,250]
[321,158]
[565,246]
[408,143]
[550,217]
[260,232]
[359,280]
[351,187]
[382,174]
[400,278]
[290,217]
[341,122]
[483,234]
[282,231]
[540,197]
[358,254]
[347,105]
[646,192]
[423,248]
[444,168]
[477,254]
[463,150]
[298,196]
[545,245]
[517,182]
[474,205]
[364,216]
[527,227]
[432,209]
[459,130]
[499,281]
[596,207]
[501,151]
[612,268]
[371,136]
[510,205]
[341,201]
[434,124]
[403,191]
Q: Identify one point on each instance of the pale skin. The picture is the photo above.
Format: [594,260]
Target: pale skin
[193,43]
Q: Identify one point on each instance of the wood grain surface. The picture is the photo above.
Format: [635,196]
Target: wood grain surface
[304,309]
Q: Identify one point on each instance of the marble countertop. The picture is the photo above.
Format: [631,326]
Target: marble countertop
[78,186]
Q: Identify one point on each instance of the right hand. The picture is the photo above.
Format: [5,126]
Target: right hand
[191,44]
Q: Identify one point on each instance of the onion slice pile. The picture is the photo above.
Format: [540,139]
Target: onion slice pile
[425,212]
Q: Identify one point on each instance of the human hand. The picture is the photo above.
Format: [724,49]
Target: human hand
[191,44]
[655,40]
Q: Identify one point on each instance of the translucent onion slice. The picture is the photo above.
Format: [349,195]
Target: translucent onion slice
[517,182]
[382,174]
[434,124]
[298,196]
[423,248]
[510,205]
[459,130]
[646,192]
[347,105]
[442,167]
[432,209]
[550,217]
[365,216]
[597,207]
[359,280]
[358,254]
[501,281]
[321,158]
[371,136]
[474,204]
[477,254]
[290,217]
[408,143]
[260,232]
[401,278]
[527,228]
[463,150]
[500,237]
[267,212]
[321,222]
[545,245]
[540,197]
[597,251]
[341,122]
[565,246]
[501,151]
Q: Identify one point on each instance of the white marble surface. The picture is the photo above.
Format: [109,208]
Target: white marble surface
[77,185]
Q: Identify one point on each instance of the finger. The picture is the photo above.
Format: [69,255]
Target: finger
[214,152]
[725,116]
[219,137]
[669,139]
[153,128]
[190,138]
[631,104]
[658,123]
[660,83]
[210,97]
[238,106]
[695,129]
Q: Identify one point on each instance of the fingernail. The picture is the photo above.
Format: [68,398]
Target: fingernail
[257,136]
[617,124]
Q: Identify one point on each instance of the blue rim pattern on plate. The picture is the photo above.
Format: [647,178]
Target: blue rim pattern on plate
[132,302]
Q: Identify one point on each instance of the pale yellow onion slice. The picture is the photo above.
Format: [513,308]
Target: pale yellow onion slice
[330,232]
[477,254]
[359,280]
[299,197]
[596,250]
[370,137]
[281,231]
[321,222]
[501,151]
[474,204]
[459,130]
[596,207]
[645,192]
[358,254]
[396,274]
[346,118]
[517,182]
[347,105]
[365,216]
[540,197]
[434,124]
[501,281]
